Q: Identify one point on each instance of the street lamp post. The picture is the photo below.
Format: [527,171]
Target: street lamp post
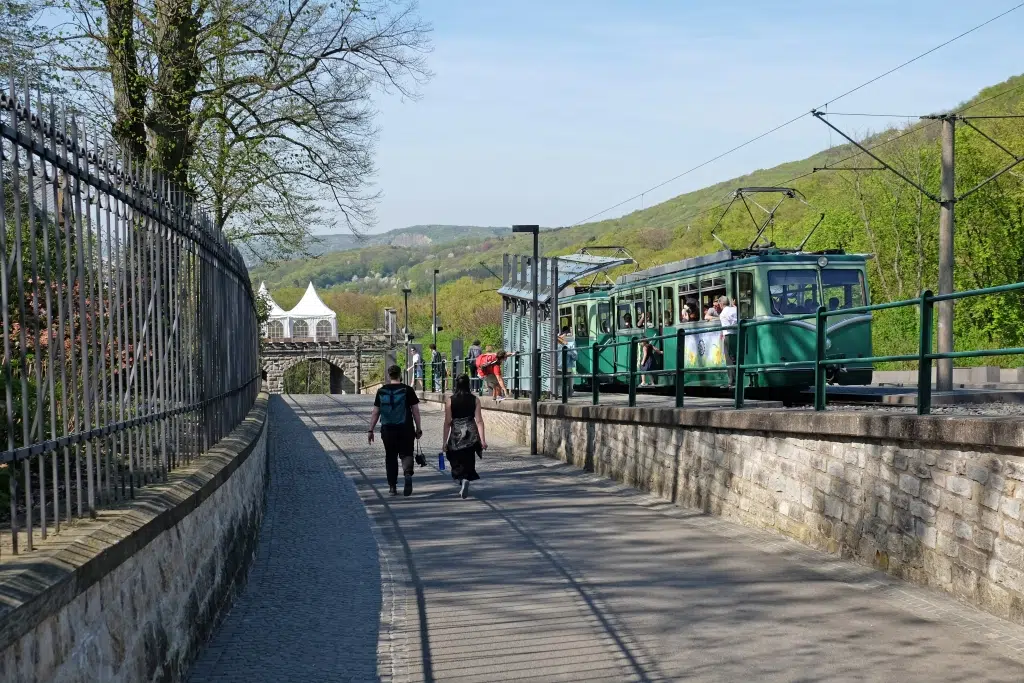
[406,291]
[433,326]
[534,342]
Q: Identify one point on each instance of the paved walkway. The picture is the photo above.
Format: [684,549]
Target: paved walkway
[551,574]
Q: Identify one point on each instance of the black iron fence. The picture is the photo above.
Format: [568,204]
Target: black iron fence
[130,338]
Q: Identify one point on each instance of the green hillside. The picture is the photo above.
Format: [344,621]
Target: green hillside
[867,212]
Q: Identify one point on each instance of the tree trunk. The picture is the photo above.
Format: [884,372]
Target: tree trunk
[129,127]
[175,88]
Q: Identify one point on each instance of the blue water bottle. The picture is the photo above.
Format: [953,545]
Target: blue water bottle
[440,461]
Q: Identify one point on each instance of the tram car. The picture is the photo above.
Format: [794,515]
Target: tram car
[766,281]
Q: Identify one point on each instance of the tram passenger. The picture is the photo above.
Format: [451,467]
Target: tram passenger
[627,321]
[691,311]
[729,317]
[833,303]
[714,310]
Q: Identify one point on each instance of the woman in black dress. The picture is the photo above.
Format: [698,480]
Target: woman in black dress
[464,436]
[648,362]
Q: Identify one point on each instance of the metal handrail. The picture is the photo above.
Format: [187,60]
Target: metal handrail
[924,355]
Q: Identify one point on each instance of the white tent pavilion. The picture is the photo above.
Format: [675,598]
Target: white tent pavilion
[309,319]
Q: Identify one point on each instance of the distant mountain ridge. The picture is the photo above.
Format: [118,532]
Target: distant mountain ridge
[412,236]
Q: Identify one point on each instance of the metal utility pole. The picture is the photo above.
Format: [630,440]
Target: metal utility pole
[434,324]
[535,332]
[947,226]
[947,201]
[433,327]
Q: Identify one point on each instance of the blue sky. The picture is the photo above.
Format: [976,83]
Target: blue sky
[548,112]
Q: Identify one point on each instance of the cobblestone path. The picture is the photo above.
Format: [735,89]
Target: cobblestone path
[551,574]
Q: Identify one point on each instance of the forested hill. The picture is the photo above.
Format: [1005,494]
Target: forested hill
[870,212]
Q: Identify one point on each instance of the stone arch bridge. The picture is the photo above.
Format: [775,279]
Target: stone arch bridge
[350,356]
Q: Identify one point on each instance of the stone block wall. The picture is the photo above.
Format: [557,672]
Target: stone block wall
[933,500]
[133,595]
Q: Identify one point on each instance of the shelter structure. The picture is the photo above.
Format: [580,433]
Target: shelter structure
[556,277]
[309,319]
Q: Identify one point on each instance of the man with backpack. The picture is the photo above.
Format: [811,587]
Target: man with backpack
[396,407]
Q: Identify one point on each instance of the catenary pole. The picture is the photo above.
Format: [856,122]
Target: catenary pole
[947,224]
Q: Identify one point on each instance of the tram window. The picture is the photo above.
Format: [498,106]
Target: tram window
[842,288]
[652,310]
[604,317]
[745,294]
[668,314]
[793,291]
[625,316]
[564,318]
[710,290]
[688,306]
[581,321]
[640,319]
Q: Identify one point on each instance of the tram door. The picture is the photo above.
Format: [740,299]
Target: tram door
[603,329]
[742,283]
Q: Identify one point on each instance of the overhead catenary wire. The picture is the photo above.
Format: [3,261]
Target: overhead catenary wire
[801,176]
[802,115]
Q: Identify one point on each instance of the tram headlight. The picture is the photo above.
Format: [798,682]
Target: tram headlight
[822,261]
[828,343]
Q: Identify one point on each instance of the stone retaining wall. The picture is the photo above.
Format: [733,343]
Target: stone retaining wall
[134,594]
[933,500]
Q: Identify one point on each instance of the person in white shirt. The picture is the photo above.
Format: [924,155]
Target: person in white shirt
[417,370]
[729,317]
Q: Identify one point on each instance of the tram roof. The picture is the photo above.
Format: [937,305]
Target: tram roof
[727,255]
[571,268]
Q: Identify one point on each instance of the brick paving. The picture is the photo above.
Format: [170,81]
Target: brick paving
[546,574]
[310,609]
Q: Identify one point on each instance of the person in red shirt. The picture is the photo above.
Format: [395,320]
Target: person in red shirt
[489,369]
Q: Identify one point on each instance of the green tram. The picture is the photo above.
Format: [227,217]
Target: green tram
[766,283]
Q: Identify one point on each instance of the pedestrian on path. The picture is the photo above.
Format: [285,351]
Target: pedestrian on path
[649,362]
[489,368]
[474,352]
[463,434]
[567,341]
[396,406]
[417,370]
